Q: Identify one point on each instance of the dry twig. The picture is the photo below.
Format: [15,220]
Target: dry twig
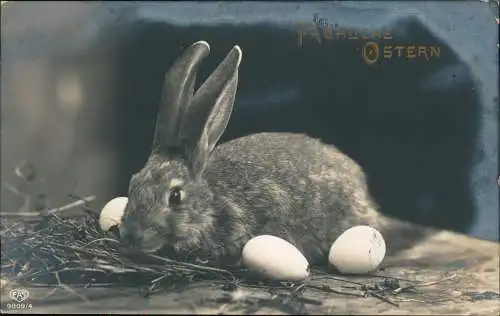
[66,207]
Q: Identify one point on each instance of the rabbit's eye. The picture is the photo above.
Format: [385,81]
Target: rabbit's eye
[175,196]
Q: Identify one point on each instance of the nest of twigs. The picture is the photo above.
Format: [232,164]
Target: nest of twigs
[54,249]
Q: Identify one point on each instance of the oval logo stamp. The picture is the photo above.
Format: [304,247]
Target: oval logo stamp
[19,295]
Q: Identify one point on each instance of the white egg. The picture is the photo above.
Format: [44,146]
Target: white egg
[358,250]
[112,213]
[275,258]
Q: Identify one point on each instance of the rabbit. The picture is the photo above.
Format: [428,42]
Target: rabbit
[194,196]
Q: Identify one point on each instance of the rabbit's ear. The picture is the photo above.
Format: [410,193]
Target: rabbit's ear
[177,92]
[210,109]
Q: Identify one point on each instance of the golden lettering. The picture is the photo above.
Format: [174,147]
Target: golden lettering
[377,35]
[435,51]
[370,53]
[353,35]
[422,51]
[399,49]
[307,29]
[365,37]
[387,52]
[411,52]
[328,32]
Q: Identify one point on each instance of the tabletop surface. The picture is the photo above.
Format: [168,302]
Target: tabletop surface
[467,270]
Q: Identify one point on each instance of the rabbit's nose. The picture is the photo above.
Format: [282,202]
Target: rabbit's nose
[132,240]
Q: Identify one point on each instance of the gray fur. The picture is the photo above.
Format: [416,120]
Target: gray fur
[288,185]
[177,92]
